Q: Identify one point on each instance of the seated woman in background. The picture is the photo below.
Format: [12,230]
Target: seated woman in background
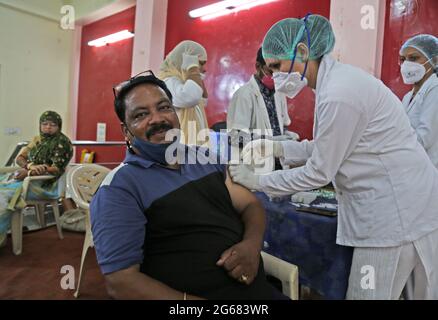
[47,154]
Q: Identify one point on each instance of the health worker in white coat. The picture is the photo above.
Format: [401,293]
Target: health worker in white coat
[256,105]
[419,63]
[386,185]
[256,109]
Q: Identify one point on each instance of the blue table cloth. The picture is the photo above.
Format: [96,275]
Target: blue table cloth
[308,241]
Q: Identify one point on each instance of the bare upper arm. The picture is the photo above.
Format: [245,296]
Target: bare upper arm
[116,276]
[240,196]
[116,280]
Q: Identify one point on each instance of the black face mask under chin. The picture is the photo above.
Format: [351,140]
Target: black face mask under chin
[155,152]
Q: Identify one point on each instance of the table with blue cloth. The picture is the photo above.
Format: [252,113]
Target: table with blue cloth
[308,241]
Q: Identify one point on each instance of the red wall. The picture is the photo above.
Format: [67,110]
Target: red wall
[100,69]
[232,42]
[402,23]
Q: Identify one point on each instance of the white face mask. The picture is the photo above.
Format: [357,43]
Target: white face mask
[203,76]
[289,83]
[413,72]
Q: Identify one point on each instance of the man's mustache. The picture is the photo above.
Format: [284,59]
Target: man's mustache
[157,127]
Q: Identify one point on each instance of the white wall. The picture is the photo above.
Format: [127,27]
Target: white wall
[49,9]
[34,74]
[359,27]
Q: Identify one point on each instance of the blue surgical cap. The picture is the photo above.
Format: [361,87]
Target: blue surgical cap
[285,35]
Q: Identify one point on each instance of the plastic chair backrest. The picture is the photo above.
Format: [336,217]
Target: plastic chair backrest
[84,180]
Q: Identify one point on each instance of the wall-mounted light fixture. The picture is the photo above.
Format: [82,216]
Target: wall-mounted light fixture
[111,38]
[225,7]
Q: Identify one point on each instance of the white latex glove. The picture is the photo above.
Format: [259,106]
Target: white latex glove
[242,175]
[282,137]
[292,135]
[189,61]
[237,135]
[258,150]
[288,135]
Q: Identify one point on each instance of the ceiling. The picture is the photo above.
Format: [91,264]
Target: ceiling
[86,11]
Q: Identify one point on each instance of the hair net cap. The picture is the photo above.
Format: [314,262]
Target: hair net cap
[427,44]
[285,35]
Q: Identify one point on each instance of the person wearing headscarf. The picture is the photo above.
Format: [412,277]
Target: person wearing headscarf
[183,73]
[385,183]
[419,68]
[47,154]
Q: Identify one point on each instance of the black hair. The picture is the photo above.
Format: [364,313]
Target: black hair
[260,58]
[119,101]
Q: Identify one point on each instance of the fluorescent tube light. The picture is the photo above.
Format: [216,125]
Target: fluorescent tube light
[225,7]
[115,37]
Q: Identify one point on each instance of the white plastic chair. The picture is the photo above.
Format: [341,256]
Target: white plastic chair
[284,271]
[83,182]
[17,215]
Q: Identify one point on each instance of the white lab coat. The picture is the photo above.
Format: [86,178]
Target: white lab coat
[247,110]
[386,185]
[423,115]
[186,95]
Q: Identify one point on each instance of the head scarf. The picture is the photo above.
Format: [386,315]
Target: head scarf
[53,117]
[171,67]
[55,149]
[174,59]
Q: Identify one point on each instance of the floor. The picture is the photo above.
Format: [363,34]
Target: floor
[36,273]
